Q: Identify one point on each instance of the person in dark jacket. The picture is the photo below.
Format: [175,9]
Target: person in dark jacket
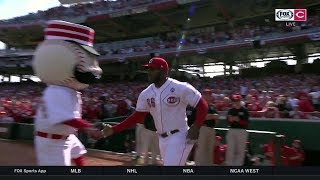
[238,120]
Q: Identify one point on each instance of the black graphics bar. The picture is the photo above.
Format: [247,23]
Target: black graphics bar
[157,170]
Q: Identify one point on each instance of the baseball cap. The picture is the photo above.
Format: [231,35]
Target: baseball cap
[158,63]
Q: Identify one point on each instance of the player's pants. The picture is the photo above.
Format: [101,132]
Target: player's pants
[236,146]
[139,139]
[174,149]
[51,152]
[205,146]
[150,144]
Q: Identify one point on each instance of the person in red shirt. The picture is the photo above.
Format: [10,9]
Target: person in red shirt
[270,111]
[295,154]
[219,153]
[269,152]
[304,106]
[253,107]
[122,107]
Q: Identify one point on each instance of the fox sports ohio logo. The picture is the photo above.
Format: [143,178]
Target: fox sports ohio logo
[284,15]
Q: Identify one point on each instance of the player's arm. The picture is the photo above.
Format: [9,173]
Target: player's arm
[78,123]
[137,117]
[193,98]
[201,112]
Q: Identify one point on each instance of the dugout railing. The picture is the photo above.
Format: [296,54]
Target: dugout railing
[303,129]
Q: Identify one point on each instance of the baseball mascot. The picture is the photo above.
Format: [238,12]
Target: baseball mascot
[67,62]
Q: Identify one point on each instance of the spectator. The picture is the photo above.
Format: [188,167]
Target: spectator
[284,107]
[270,110]
[254,107]
[5,118]
[305,106]
[296,154]
[315,94]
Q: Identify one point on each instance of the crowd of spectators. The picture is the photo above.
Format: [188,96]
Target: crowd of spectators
[198,37]
[74,11]
[285,96]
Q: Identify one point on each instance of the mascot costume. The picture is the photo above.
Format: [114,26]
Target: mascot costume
[67,62]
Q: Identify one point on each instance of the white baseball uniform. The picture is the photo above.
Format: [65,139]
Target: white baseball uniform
[59,104]
[150,144]
[139,138]
[167,105]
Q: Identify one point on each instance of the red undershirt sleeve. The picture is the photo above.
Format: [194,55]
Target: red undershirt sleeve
[201,112]
[130,121]
[78,123]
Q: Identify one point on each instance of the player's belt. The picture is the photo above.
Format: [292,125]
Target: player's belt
[166,134]
[51,136]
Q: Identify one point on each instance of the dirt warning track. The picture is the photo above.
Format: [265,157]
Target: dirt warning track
[15,153]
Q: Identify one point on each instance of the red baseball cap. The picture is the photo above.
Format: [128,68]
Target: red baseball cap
[158,63]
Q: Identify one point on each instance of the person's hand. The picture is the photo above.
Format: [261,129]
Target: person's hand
[107,130]
[193,134]
[94,133]
[235,118]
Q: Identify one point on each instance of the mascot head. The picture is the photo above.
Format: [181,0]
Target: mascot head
[66,57]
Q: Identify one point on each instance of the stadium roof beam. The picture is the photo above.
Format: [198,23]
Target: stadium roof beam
[165,20]
[223,10]
[118,26]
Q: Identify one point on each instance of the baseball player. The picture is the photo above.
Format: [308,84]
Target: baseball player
[238,120]
[207,135]
[167,99]
[66,62]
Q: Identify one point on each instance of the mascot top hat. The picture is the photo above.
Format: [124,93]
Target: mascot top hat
[66,57]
